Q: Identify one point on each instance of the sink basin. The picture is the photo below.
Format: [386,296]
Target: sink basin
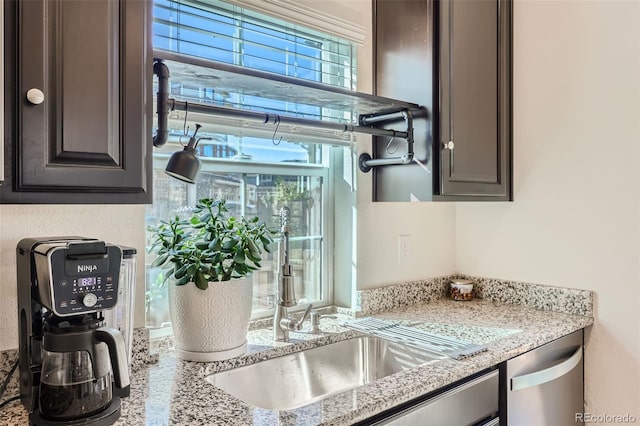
[301,378]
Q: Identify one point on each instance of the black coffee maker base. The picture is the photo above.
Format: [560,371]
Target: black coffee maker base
[103,418]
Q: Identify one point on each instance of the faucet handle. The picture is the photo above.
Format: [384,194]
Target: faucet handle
[298,325]
[290,323]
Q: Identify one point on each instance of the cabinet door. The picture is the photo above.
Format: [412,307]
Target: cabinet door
[474,123]
[83,102]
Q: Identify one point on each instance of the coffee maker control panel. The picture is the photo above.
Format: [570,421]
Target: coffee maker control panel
[78,279]
[84,294]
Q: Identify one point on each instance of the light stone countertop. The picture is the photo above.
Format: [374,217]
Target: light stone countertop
[174,392]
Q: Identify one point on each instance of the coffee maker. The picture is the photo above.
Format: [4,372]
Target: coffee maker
[67,354]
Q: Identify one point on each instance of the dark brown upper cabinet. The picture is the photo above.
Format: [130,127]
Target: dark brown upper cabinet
[77,101]
[472,125]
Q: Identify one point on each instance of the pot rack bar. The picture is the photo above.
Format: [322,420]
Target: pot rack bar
[371,111]
[270,118]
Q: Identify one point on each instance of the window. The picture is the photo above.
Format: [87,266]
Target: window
[255,174]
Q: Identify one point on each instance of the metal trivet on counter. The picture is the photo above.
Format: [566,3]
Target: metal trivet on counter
[415,337]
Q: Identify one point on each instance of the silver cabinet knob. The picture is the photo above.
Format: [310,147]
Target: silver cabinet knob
[449,145]
[35,96]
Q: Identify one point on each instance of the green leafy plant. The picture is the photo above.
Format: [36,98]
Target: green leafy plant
[209,246]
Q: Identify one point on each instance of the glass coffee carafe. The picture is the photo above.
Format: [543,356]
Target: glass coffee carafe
[76,375]
[69,388]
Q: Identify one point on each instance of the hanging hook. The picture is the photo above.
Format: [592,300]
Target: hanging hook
[389,146]
[273,138]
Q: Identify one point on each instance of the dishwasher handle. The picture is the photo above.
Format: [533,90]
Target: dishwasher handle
[548,374]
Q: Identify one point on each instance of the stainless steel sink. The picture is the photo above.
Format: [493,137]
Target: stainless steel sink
[301,378]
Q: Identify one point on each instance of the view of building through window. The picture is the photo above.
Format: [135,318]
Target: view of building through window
[256,176]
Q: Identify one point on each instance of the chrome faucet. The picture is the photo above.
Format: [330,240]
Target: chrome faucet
[285,295]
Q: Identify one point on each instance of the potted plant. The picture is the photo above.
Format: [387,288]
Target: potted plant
[209,258]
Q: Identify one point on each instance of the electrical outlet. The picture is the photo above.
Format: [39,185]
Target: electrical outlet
[403,247]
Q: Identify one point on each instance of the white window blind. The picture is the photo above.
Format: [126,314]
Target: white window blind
[326,17]
[231,34]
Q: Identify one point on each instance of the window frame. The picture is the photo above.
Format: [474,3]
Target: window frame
[324,169]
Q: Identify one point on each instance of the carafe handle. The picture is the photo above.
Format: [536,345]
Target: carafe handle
[118,356]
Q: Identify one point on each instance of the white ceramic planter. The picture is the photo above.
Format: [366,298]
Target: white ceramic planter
[211,325]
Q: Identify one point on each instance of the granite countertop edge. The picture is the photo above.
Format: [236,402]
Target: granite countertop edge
[534,329]
[174,391]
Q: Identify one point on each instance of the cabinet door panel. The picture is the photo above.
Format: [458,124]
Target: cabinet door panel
[473,91]
[90,88]
[475,98]
[90,134]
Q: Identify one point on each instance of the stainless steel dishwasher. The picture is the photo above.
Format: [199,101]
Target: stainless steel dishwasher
[545,386]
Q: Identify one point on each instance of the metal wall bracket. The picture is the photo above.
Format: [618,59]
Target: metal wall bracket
[366,162]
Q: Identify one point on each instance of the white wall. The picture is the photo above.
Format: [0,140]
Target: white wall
[575,218]
[116,224]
